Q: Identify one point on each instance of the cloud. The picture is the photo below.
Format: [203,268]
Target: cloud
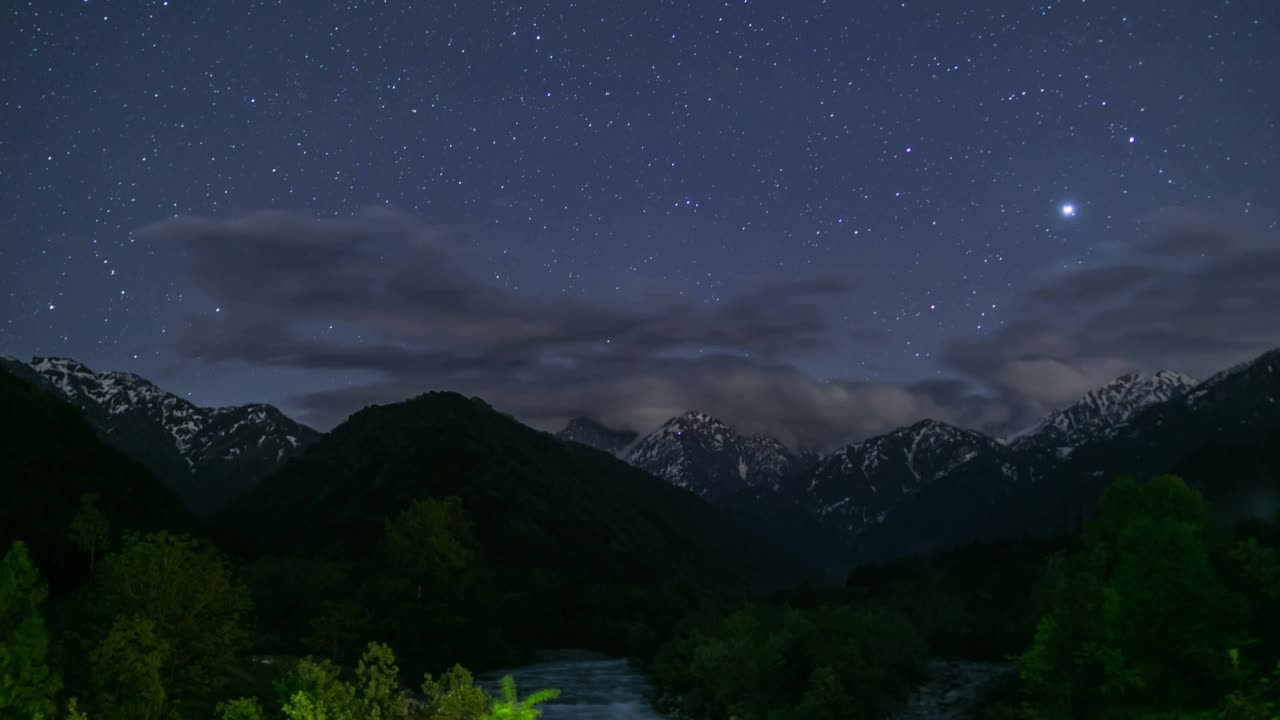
[399,281]
[640,394]
[1188,294]
[425,322]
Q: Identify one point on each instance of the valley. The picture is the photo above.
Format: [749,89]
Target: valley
[636,360]
[456,534]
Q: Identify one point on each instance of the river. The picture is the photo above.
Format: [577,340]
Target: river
[593,687]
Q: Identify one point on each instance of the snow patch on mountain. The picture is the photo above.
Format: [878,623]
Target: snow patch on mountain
[857,486]
[700,452]
[235,444]
[1100,413]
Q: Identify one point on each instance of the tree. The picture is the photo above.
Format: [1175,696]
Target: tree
[74,712]
[430,542]
[127,669]
[244,708]
[306,707]
[378,684]
[190,594]
[313,691]
[1139,616]
[1254,698]
[90,529]
[454,697]
[27,685]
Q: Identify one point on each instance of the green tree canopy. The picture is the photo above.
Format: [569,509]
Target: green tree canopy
[190,594]
[244,708]
[27,685]
[377,684]
[127,669]
[430,543]
[453,697]
[314,691]
[1139,615]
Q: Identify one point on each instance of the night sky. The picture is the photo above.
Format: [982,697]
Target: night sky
[819,219]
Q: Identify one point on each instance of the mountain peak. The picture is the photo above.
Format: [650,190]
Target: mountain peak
[855,487]
[700,452]
[929,425]
[696,418]
[1101,411]
[1142,378]
[206,455]
[59,364]
[697,425]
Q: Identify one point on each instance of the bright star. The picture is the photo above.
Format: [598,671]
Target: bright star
[1068,210]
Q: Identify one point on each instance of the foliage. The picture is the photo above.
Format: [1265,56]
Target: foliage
[1253,699]
[90,529]
[315,687]
[240,709]
[128,668]
[27,685]
[315,691]
[1142,618]
[191,597]
[977,602]
[453,697]
[307,707]
[74,712]
[430,543]
[1252,571]
[377,685]
[507,707]
[761,661]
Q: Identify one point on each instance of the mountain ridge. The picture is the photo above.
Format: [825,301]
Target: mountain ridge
[208,455]
[1101,411]
[531,495]
[1222,435]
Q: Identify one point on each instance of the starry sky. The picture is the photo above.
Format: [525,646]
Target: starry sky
[817,219]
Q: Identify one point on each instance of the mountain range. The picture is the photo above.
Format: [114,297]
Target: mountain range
[529,496]
[50,456]
[919,488]
[207,455]
[932,485]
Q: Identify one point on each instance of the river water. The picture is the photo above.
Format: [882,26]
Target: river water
[593,687]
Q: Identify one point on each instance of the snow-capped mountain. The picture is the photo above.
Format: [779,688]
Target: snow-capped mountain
[701,453]
[750,477]
[593,434]
[1222,436]
[1100,413]
[858,485]
[208,455]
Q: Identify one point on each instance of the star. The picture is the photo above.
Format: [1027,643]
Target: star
[646,174]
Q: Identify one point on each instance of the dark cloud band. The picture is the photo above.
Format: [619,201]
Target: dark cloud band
[1191,295]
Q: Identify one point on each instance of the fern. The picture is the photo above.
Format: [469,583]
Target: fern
[508,707]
